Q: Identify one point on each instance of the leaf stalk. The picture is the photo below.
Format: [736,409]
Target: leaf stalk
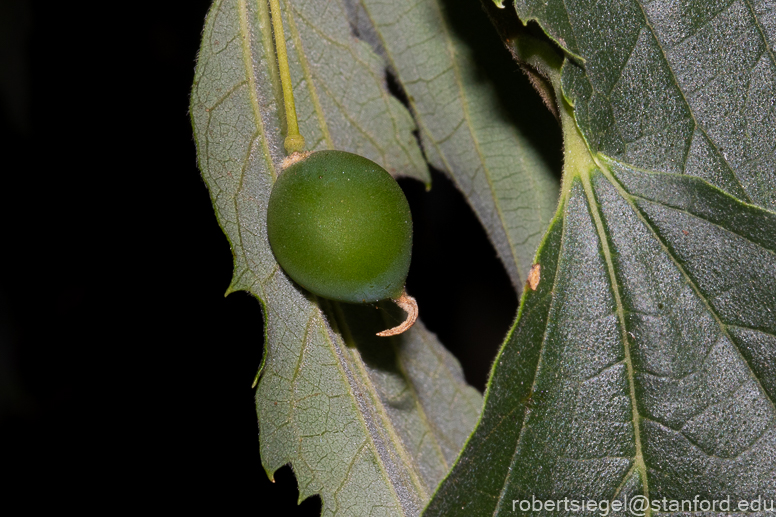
[294,141]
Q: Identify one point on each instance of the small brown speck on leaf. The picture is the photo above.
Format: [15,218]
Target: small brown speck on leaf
[534,276]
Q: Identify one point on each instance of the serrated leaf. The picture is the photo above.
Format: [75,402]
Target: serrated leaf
[370,424]
[464,133]
[643,363]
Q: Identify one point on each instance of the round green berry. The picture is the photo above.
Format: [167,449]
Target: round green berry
[340,226]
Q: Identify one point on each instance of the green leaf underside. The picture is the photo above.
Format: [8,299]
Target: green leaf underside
[681,87]
[352,413]
[376,418]
[463,131]
[645,361]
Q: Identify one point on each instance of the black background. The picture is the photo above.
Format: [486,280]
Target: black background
[124,371]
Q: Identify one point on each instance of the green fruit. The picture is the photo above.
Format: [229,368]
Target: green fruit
[340,226]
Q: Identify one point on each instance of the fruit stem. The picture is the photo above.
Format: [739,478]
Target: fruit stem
[294,141]
[410,306]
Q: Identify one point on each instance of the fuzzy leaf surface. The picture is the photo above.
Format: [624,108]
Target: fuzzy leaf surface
[371,424]
[643,363]
[682,87]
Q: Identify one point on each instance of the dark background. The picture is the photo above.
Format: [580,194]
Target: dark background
[123,369]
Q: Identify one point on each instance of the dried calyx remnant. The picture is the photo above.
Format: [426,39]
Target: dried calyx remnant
[410,306]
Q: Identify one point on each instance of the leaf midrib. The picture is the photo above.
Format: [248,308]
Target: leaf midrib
[351,362]
[348,375]
[638,459]
[379,407]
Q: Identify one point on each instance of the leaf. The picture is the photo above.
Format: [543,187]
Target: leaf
[352,413]
[684,87]
[463,128]
[643,363]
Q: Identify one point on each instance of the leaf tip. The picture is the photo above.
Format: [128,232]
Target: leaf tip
[234,287]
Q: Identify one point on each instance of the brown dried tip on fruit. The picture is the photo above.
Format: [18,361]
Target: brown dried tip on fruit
[410,306]
[534,276]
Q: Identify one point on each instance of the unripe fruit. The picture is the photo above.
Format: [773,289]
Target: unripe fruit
[340,226]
